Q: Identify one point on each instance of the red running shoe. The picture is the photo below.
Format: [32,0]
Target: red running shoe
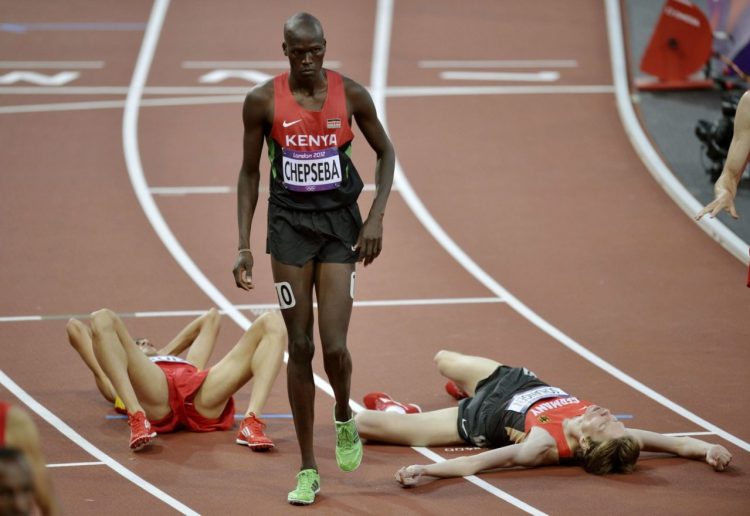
[454,390]
[251,434]
[384,403]
[141,434]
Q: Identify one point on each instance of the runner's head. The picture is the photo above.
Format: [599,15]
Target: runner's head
[145,345]
[16,484]
[305,45]
[605,447]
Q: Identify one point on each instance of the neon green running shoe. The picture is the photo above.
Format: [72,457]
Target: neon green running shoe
[348,445]
[308,485]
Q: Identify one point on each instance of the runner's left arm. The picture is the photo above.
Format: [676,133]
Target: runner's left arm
[199,335]
[361,106]
[688,447]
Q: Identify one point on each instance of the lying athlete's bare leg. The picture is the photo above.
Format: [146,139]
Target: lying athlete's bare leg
[79,336]
[333,290]
[435,428]
[465,370]
[299,325]
[258,354]
[140,383]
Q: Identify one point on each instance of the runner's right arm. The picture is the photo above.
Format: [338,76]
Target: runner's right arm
[255,119]
[538,449]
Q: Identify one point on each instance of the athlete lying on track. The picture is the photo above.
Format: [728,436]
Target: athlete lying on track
[526,422]
[162,392]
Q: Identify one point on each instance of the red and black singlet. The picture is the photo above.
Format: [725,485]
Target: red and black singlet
[310,151]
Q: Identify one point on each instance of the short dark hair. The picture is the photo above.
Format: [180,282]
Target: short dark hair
[613,456]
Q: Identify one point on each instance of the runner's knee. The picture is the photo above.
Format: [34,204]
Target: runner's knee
[445,359]
[301,349]
[102,320]
[75,329]
[272,324]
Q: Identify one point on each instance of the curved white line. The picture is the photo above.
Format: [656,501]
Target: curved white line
[424,216]
[642,145]
[378,84]
[74,436]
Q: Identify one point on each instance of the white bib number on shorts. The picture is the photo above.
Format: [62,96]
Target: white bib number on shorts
[311,171]
[285,295]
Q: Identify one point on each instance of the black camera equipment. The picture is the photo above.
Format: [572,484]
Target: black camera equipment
[717,135]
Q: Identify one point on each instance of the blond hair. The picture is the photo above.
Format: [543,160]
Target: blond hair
[612,456]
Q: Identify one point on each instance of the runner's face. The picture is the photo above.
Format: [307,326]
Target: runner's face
[145,345]
[600,425]
[16,489]
[305,50]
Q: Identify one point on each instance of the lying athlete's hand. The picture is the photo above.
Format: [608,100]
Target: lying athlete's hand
[243,270]
[409,475]
[718,457]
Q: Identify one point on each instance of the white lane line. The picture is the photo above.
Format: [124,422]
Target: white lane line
[262,307]
[378,82]
[499,63]
[123,90]
[268,65]
[210,190]
[548,89]
[51,65]
[238,97]
[682,434]
[75,464]
[648,154]
[74,436]
[544,76]
[191,190]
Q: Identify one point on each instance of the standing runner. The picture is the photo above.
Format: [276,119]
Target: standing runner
[315,231]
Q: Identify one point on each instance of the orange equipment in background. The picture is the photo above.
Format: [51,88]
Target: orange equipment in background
[679,47]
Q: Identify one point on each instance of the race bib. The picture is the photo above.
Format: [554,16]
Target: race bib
[168,358]
[311,171]
[523,400]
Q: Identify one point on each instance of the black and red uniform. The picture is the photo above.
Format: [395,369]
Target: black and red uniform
[313,212]
[509,403]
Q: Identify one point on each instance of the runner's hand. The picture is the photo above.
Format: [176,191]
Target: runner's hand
[723,202]
[243,270]
[370,241]
[718,457]
[409,475]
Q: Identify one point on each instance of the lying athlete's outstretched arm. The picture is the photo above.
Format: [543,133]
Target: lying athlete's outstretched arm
[688,447]
[537,450]
[206,326]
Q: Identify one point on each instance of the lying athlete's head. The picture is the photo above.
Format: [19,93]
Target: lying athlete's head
[145,345]
[16,484]
[605,447]
[304,44]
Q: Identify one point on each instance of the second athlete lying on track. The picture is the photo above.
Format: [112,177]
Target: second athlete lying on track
[161,392]
[526,421]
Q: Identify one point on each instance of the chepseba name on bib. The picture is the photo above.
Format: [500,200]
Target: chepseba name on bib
[311,171]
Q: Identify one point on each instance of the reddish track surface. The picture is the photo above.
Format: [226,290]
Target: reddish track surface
[542,191]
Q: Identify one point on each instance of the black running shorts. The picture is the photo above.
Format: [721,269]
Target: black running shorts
[295,237]
[482,419]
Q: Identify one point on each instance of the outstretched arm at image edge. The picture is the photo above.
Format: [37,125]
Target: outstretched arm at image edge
[688,447]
